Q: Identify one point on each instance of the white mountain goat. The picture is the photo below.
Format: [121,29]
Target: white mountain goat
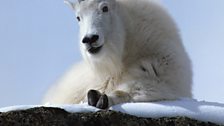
[132,53]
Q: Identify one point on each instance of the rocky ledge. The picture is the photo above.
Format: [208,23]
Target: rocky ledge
[45,116]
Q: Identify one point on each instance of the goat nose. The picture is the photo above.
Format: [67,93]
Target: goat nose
[90,39]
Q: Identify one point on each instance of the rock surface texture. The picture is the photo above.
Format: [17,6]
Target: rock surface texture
[45,116]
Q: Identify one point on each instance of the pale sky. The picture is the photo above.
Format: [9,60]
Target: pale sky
[39,42]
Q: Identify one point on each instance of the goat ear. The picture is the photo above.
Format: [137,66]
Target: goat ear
[70,4]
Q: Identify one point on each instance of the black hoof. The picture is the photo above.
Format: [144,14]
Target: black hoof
[102,102]
[96,99]
[93,97]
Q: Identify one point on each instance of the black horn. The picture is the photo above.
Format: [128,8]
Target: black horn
[80,1]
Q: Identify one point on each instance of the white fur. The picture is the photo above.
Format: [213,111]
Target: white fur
[142,55]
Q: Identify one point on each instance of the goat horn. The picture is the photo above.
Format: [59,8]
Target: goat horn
[80,1]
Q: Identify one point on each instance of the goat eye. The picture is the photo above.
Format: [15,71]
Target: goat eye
[105,9]
[78,18]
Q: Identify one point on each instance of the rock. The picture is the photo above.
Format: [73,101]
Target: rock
[46,116]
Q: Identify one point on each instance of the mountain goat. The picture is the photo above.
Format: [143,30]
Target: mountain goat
[132,52]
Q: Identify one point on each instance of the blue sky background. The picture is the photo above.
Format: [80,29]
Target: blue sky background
[38,43]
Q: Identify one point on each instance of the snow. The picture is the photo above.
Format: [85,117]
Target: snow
[203,111]
[199,110]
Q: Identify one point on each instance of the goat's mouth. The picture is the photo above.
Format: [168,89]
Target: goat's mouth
[94,50]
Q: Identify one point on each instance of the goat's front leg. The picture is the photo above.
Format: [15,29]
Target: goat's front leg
[103,101]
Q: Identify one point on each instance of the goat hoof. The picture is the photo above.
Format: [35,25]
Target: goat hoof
[96,99]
